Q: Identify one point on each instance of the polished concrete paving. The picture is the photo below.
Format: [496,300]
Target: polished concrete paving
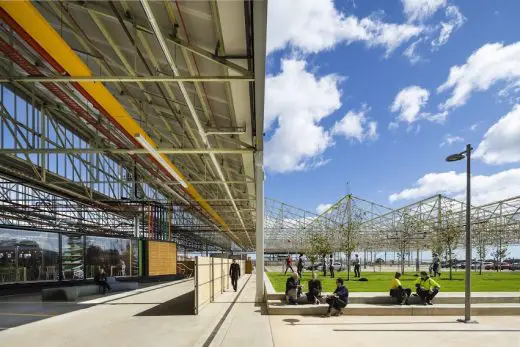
[395,331]
[152,317]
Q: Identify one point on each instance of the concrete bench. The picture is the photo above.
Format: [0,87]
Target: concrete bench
[452,298]
[276,308]
[72,293]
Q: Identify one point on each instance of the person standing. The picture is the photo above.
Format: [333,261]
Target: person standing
[324,265]
[357,266]
[331,266]
[436,265]
[288,264]
[234,273]
[299,267]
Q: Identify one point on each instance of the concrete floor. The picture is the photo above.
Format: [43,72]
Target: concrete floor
[395,331]
[150,316]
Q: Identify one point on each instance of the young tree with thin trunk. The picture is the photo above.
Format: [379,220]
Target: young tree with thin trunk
[409,230]
[350,234]
[319,244]
[479,231]
[449,233]
[499,245]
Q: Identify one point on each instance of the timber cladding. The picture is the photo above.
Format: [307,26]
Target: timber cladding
[162,258]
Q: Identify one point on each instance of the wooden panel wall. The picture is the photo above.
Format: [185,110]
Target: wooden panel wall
[162,258]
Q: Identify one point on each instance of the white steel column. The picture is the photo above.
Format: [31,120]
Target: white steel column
[260,36]
[259,174]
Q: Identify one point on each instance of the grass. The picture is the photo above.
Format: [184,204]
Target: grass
[506,281]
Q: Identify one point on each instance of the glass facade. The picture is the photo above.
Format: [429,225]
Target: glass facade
[72,247]
[117,256]
[35,255]
[28,256]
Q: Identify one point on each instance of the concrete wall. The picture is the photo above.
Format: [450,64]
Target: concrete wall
[212,279]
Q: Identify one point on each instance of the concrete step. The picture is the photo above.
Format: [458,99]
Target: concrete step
[276,308]
[442,298]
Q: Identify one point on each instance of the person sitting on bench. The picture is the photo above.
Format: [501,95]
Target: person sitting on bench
[397,291]
[338,300]
[101,279]
[427,288]
[293,289]
[314,294]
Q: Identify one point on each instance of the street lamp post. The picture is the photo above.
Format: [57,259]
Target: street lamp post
[467,278]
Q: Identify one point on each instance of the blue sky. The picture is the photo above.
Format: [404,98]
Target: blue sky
[354,94]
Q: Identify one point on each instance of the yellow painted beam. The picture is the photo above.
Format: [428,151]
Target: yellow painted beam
[30,19]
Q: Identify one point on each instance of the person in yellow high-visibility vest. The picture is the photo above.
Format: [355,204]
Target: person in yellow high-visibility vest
[398,291]
[427,288]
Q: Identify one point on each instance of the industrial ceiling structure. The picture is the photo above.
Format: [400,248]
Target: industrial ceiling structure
[374,227]
[138,110]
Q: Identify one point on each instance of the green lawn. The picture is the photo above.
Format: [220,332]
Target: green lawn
[506,281]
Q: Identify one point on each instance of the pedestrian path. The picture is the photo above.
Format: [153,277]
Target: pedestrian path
[143,316]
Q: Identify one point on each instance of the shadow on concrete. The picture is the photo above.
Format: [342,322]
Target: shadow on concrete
[429,330]
[262,308]
[24,309]
[182,305]
[376,323]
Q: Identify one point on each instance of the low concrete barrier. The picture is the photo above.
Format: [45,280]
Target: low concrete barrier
[396,310]
[72,293]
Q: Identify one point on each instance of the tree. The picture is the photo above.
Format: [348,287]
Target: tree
[318,245]
[499,247]
[449,233]
[349,235]
[479,231]
[409,230]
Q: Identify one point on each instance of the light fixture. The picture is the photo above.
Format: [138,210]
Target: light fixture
[153,152]
[455,157]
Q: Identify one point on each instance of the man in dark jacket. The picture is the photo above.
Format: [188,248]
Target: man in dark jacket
[234,273]
[331,266]
[339,299]
[100,277]
[314,294]
[299,267]
[293,289]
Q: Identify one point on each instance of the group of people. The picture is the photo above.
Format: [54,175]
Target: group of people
[301,263]
[425,287]
[337,301]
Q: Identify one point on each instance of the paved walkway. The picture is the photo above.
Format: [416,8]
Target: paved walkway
[235,320]
[144,316]
[395,331]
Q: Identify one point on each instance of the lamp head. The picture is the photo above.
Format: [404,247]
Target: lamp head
[455,157]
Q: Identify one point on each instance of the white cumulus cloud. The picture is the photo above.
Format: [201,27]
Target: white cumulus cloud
[454,20]
[298,100]
[322,208]
[313,26]
[356,126]
[501,143]
[450,139]
[409,102]
[484,189]
[419,10]
[490,64]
